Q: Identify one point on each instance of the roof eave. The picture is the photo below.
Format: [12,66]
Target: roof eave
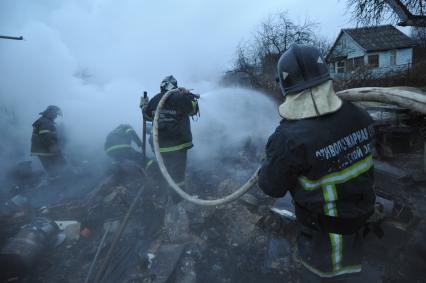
[384,49]
[334,44]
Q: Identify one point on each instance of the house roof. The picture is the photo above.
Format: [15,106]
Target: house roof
[378,38]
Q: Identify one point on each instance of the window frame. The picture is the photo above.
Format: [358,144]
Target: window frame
[392,57]
[340,69]
[343,43]
[371,63]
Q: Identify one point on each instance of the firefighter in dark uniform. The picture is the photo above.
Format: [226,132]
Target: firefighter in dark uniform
[322,154]
[45,144]
[118,144]
[174,128]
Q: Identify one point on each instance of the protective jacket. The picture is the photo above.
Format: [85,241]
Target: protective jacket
[44,140]
[121,138]
[326,164]
[174,127]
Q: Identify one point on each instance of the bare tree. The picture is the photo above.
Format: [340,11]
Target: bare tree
[258,57]
[246,62]
[405,12]
[277,33]
[419,35]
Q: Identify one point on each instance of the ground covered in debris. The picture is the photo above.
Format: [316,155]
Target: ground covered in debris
[239,242]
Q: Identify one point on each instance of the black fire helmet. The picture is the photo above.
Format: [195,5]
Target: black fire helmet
[301,67]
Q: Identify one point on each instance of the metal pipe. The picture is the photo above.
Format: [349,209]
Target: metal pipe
[145,97]
[117,237]
[95,259]
[11,37]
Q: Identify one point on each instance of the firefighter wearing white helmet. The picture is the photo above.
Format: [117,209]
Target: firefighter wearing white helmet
[321,153]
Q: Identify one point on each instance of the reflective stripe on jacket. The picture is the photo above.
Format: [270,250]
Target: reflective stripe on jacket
[174,127]
[44,140]
[121,137]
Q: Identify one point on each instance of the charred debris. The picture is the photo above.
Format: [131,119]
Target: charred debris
[77,234]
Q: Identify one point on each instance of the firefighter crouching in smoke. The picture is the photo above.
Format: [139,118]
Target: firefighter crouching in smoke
[321,154]
[45,143]
[174,127]
[118,146]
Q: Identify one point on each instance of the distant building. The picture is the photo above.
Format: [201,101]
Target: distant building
[379,48]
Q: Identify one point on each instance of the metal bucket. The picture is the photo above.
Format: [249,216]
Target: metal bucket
[22,251]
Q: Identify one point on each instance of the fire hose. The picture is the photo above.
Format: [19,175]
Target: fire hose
[193,199]
[406,98]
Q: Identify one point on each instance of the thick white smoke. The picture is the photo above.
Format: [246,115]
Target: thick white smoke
[229,118]
[95,59]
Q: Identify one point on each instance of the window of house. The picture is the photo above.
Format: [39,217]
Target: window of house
[354,63]
[393,57]
[340,68]
[349,65]
[373,61]
[343,43]
[358,62]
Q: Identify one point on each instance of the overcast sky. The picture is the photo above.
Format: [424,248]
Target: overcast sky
[193,39]
[126,46]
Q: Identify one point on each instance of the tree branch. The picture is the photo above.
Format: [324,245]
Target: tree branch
[405,16]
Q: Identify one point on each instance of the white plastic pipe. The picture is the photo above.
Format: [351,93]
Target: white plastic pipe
[406,98]
[194,199]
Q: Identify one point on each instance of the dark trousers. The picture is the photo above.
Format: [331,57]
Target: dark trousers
[319,249]
[127,154]
[175,162]
[53,164]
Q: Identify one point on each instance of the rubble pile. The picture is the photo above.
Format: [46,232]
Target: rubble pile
[243,241]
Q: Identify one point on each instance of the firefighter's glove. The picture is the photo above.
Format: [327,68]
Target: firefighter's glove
[377,215]
[184,90]
[144,102]
[374,223]
[271,222]
[262,157]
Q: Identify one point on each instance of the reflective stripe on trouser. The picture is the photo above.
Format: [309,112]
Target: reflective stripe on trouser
[330,198]
[329,255]
[342,271]
[149,163]
[114,147]
[42,154]
[176,147]
[328,184]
